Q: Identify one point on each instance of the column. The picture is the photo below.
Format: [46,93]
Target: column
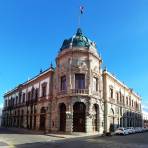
[101,122]
[69,119]
[106,118]
[38,118]
[88,123]
[37,122]
[47,122]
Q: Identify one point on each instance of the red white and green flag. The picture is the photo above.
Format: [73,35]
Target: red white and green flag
[81,9]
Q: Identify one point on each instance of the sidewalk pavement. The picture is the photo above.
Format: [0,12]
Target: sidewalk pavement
[4,144]
[54,134]
[73,135]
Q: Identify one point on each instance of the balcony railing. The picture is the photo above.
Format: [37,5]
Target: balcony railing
[62,92]
[96,93]
[79,91]
[112,100]
[74,91]
[121,103]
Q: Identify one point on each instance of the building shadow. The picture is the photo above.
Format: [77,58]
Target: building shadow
[8,130]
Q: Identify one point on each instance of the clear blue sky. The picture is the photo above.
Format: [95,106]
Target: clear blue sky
[32,31]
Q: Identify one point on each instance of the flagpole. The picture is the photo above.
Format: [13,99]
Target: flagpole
[79,16]
[79,20]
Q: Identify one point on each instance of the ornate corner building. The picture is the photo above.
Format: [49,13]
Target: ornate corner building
[75,96]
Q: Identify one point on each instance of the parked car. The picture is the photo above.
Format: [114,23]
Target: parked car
[130,131]
[133,130]
[121,131]
[145,129]
[138,129]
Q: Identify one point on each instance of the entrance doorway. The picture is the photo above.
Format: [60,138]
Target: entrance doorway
[62,117]
[79,111]
[22,117]
[42,118]
[95,118]
[112,121]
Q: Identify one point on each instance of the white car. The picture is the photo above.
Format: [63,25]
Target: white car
[138,129]
[145,129]
[121,131]
[131,130]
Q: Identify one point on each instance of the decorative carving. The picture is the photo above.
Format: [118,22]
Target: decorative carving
[102,106]
[96,69]
[81,64]
[68,115]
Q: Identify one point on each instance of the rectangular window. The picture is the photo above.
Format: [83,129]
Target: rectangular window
[32,93]
[29,95]
[20,96]
[36,93]
[16,99]
[126,100]
[132,103]
[23,97]
[63,83]
[79,81]
[123,99]
[13,100]
[5,103]
[95,84]
[120,97]
[44,91]
[111,92]
[117,97]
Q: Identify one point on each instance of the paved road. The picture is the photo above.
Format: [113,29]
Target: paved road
[28,140]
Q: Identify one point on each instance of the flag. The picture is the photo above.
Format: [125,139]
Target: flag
[81,9]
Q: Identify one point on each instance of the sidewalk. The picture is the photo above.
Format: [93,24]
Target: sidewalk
[73,135]
[25,131]
[53,134]
[5,144]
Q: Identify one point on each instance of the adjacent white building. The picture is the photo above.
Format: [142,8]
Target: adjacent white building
[145,119]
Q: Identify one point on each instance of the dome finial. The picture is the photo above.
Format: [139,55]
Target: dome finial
[79,32]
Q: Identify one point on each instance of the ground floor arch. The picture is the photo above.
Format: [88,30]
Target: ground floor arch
[62,109]
[79,117]
[42,118]
[112,128]
[95,117]
[22,118]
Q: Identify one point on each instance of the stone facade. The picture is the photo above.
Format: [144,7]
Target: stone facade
[145,119]
[122,105]
[75,96]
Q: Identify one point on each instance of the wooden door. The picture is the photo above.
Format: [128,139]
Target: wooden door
[79,117]
[42,118]
[62,117]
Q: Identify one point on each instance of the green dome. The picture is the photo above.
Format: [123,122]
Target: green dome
[78,40]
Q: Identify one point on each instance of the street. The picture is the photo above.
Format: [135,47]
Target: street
[19,139]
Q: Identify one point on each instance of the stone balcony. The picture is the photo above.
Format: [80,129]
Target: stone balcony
[79,91]
[73,92]
[112,100]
